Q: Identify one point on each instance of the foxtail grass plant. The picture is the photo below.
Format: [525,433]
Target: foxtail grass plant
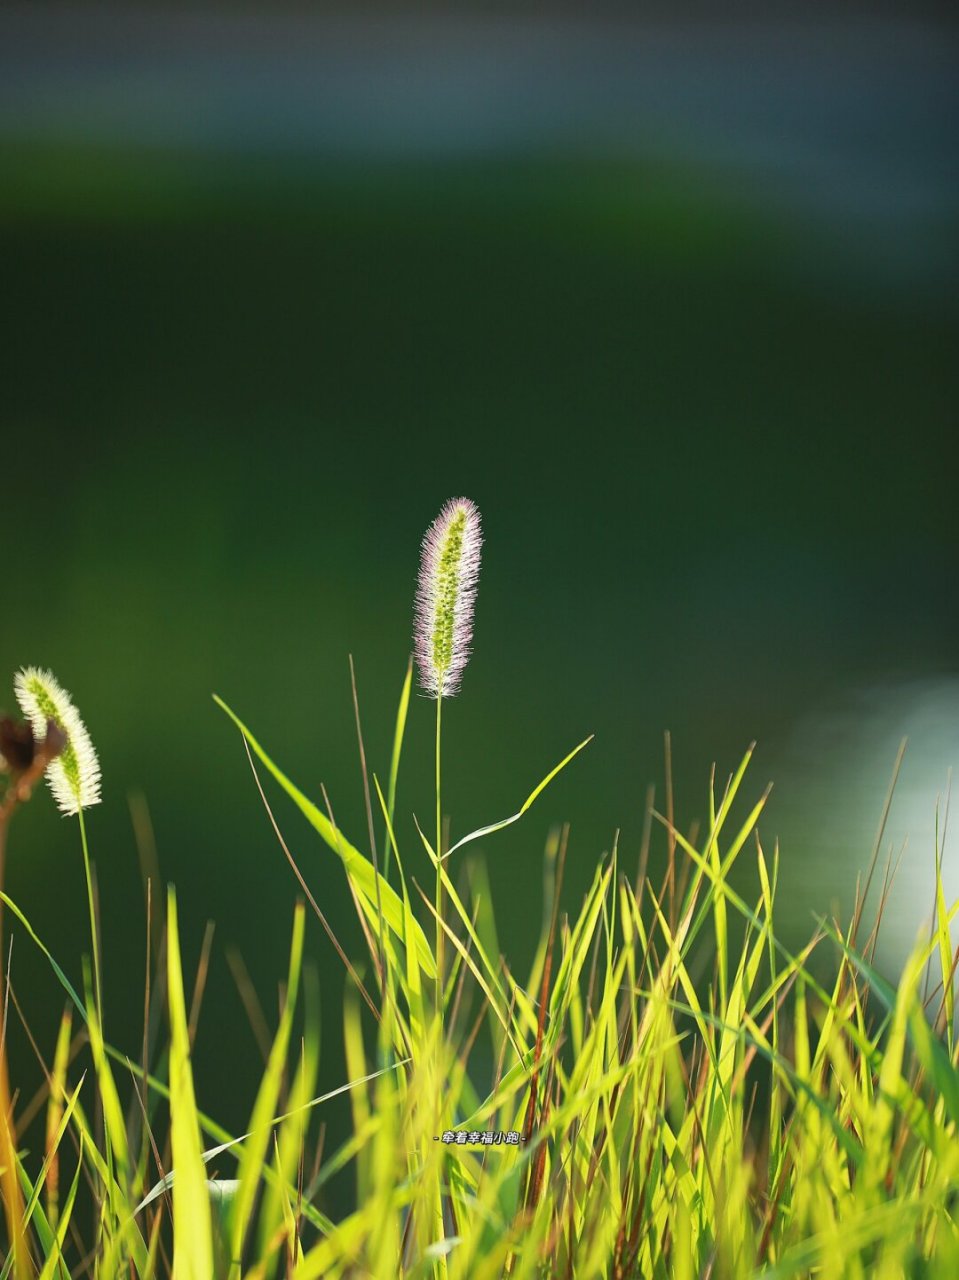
[73,773]
[443,634]
[667,1092]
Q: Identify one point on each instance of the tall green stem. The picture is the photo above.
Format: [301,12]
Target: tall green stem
[97,988]
[439,1228]
[109,1185]
[439,854]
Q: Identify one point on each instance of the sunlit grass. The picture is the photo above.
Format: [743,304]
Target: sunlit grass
[691,1098]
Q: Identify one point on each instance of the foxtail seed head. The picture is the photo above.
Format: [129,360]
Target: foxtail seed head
[445,595]
[73,775]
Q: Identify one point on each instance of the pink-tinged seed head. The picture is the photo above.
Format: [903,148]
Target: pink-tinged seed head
[445,596]
[74,772]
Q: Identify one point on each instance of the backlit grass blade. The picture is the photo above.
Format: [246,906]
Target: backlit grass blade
[844,1139]
[58,1078]
[358,868]
[52,1150]
[289,1141]
[506,822]
[398,736]
[931,1051]
[261,1122]
[228,1143]
[127,1235]
[61,976]
[699,1101]
[107,1091]
[490,979]
[192,1226]
[44,1232]
[945,949]
[482,899]
[495,1004]
[54,1267]
[411,986]
[577,949]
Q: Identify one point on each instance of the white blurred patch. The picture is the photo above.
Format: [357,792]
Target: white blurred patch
[832,779]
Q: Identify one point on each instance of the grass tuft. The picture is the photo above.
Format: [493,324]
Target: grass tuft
[669,1091]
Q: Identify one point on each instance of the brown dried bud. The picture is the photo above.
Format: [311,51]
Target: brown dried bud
[19,749]
[17,745]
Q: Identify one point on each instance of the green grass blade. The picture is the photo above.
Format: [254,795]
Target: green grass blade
[358,868]
[114,1122]
[945,950]
[930,1050]
[192,1226]
[54,1267]
[51,1153]
[398,735]
[506,822]
[261,1121]
[61,976]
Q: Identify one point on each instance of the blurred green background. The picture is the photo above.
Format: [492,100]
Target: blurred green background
[674,303]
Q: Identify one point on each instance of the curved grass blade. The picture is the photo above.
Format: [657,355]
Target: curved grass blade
[61,976]
[192,1224]
[54,1267]
[506,822]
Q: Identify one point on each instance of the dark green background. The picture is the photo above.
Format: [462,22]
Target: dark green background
[714,446]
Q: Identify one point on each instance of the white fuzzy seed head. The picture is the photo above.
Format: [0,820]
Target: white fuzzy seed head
[73,775]
[445,596]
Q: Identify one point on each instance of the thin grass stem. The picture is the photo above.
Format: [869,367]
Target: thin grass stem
[439,854]
[97,984]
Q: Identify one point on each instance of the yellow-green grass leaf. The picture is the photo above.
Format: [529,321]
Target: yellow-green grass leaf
[52,1150]
[261,1121]
[358,867]
[577,948]
[490,982]
[229,1143]
[412,986]
[109,1097]
[61,976]
[192,1224]
[54,1267]
[128,1234]
[398,735]
[748,914]
[883,1223]
[505,822]
[485,987]
[945,954]
[929,1048]
[20,1257]
[797,1078]
[58,1077]
[289,1141]
[208,1124]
